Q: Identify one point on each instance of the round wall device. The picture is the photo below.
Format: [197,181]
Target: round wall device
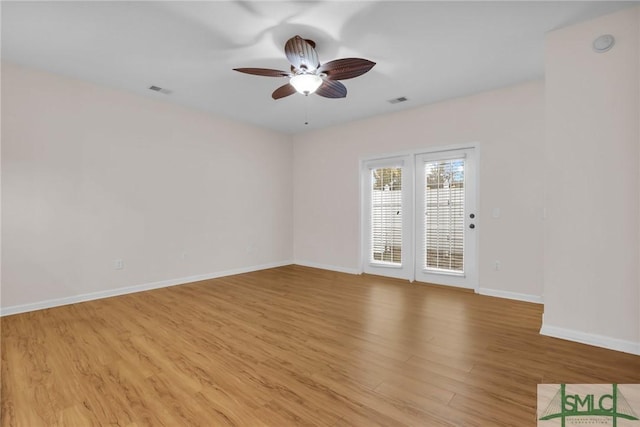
[603,43]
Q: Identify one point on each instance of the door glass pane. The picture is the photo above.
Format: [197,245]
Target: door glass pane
[386,215]
[444,215]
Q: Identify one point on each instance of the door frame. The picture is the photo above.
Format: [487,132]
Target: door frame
[410,162]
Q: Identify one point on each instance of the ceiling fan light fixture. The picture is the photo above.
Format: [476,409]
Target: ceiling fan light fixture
[308,75]
[306,83]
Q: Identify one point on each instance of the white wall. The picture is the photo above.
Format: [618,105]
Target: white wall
[90,175]
[508,124]
[592,245]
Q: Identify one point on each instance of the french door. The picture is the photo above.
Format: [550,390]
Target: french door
[420,220]
[388,217]
[446,218]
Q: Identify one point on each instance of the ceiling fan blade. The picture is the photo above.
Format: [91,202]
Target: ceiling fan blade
[267,72]
[301,54]
[332,89]
[283,91]
[347,68]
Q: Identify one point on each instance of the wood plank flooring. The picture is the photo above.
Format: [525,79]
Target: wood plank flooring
[291,346]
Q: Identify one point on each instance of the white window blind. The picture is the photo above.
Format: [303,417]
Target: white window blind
[444,215]
[386,215]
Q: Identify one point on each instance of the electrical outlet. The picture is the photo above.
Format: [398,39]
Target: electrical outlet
[118,264]
[183,255]
[497,266]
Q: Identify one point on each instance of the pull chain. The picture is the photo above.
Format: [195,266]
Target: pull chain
[306,110]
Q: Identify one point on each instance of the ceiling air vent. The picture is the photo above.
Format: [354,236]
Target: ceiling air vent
[159,89]
[398,100]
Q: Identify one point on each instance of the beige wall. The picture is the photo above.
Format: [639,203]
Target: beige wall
[509,126]
[90,175]
[591,283]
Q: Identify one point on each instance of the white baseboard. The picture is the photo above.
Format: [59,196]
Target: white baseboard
[40,305]
[591,339]
[510,295]
[328,267]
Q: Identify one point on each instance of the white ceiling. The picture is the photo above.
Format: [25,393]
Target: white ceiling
[426,51]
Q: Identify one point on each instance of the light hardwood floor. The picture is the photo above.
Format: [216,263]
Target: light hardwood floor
[287,347]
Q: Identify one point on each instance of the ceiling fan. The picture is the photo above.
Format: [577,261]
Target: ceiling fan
[308,76]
